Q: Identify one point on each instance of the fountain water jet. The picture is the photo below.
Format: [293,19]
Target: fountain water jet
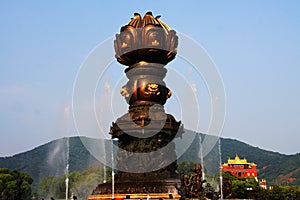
[104,174]
[221,176]
[67,119]
[201,156]
[103,149]
[67,187]
[67,170]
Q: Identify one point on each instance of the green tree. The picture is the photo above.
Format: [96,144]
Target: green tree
[242,187]
[83,184]
[80,184]
[15,185]
[284,192]
[52,186]
[185,167]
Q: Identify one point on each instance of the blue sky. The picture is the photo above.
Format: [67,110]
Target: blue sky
[255,44]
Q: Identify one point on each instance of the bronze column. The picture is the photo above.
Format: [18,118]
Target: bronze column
[146,158]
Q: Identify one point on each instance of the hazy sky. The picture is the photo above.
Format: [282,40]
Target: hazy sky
[255,44]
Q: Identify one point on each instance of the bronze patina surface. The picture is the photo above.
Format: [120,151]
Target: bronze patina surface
[145,45]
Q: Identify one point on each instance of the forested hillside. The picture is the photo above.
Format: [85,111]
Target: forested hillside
[51,159]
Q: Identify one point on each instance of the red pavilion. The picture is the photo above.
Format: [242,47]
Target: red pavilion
[240,168]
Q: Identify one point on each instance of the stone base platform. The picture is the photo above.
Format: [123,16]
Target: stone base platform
[168,186]
[153,189]
[134,196]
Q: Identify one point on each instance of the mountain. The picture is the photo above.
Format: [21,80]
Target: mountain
[51,159]
[276,168]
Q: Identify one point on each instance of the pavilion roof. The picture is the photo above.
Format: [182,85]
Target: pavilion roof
[238,161]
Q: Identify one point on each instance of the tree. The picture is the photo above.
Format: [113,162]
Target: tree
[284,192]
[49,187]
[15,185]
[184,167]
[80,184]
[83,184]
[242,187]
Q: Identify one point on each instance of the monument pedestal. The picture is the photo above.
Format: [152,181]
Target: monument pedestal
[169,186]
[153,196]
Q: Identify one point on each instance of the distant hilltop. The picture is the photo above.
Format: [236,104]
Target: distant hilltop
[50,159]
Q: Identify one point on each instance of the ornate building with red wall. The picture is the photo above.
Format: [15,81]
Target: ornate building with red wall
[240,168]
